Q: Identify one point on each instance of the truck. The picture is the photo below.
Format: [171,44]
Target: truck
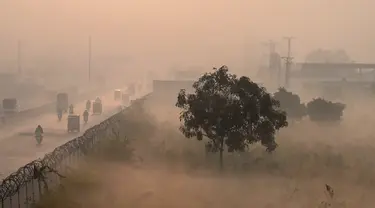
[10,105]
[62,102]
[117,94]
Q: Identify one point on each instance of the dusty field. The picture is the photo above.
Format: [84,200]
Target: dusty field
[168,170]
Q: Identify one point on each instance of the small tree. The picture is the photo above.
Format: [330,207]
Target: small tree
[290,103]
[231,112]
[323,110]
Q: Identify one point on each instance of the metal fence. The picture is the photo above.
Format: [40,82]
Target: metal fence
[26,186]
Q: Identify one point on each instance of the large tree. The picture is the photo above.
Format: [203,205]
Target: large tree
[230,112]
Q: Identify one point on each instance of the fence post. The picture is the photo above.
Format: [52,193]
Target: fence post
[27,195]
[33,191]
[19,199]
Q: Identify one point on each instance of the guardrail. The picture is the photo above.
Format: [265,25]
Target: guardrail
[24,187]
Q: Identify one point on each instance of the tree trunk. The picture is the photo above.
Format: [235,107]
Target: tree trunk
[221,153]
[221,159]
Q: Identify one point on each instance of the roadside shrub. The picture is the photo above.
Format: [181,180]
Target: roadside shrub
[291,104]
[323,110]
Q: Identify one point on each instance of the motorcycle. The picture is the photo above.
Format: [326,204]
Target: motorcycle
[88,105]
[59,116]
[85,119]
[39,138]
[86,116]
[71,109]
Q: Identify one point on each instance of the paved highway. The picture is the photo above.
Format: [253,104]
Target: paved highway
[18,146]
[34,103]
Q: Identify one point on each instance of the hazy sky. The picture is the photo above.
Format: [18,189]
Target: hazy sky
[209,32]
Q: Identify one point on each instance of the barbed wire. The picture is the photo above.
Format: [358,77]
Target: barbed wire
[12,184]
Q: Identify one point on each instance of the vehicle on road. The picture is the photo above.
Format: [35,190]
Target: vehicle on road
[88,105]
[86,116]
[39,135]
[71,109]
[59,114]
[117,95]
[10,106]
[62,102]
[97,107]
[39,138]
[98,100]
[74,123]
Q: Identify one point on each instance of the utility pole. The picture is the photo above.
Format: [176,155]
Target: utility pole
[273,66]
[19,57]
[89,59]
[271,47]
[271,44]
[288,61]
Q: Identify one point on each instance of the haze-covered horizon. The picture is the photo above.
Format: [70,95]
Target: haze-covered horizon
[160,34]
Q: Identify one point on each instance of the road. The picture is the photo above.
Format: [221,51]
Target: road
[18,146]
[34,103]
[23,117]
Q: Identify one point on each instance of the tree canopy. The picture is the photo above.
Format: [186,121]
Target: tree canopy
[323,110]
[230,112]
[290,103]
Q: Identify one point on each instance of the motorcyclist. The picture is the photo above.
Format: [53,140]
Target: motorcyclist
[39,130]
[86,116]
[59,114]
[39,134]
[71,109]
[88,105]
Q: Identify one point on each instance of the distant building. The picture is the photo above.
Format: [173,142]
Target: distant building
[336,71]
[274,63]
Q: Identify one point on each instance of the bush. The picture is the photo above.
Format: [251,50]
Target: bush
[137,123]
[114,149]
[323,110]
[291,104]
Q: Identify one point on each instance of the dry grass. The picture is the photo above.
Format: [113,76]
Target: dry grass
[168,170]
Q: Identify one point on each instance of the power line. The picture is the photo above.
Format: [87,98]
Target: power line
[288,61]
